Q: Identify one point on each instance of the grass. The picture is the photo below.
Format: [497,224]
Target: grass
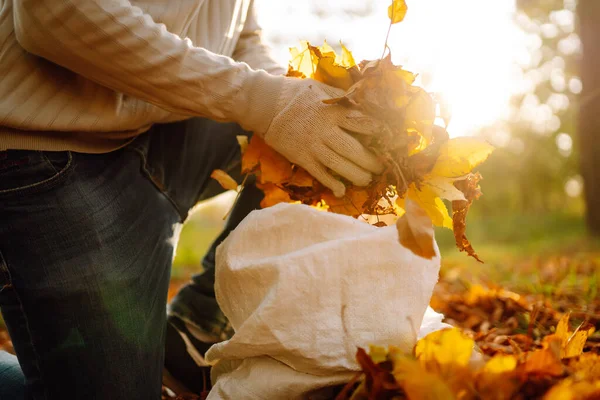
[548,254]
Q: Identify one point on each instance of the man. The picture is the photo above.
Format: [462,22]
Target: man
[113,113]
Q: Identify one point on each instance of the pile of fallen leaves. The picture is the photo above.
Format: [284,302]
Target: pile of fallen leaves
[508,347]
[505,346]
[422,164]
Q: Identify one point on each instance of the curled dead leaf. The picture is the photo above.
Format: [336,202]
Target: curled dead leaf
[415,231]
[470,188]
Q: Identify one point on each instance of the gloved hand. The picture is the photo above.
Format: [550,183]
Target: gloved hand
[315,135]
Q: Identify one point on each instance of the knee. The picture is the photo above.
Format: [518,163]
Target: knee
[12,380]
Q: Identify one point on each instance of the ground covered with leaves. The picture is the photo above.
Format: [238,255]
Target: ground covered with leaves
[534,321]
[533,334]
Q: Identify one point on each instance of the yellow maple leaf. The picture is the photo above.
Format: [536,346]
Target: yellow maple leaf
[447,347]
[397,11]
[304,59]
[274,167]
[226,181]
[323,64]
[569,389]
[346,59]
[498,378]
[351,204]
[301,178]
[429,201]
[572,343]
[444,187]
[586,366]
[500,364]
[418,383]
[273,195]
[545,361]
[333,74]
[459,156]
[378,354]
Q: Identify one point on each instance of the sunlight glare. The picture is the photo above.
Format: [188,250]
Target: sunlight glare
[467,50]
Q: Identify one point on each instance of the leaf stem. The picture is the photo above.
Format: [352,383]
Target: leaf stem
[387,36]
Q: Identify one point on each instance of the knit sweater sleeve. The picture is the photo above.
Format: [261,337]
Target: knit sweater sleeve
[252,49]
[118,46]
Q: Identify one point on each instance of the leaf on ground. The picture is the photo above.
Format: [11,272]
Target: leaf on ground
[418,383]
[378,382]
[545,361]
[586,366]
[226,181]
[500,364]
[569,389]
[415,230]
[445,347]
[573,342]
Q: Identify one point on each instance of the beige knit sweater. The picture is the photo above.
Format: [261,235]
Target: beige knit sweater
[89,75]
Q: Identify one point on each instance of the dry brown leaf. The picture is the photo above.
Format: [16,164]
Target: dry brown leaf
[460,208]
[415,231]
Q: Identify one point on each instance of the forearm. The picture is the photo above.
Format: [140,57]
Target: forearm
[252,49]
[115,44]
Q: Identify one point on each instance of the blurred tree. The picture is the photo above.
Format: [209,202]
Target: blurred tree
[589,109]
[536,167]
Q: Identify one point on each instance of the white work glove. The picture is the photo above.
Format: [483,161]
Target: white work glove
[312,134]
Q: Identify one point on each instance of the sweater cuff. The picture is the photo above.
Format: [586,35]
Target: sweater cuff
[256,102]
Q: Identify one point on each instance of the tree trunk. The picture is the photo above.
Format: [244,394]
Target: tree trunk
[589,112]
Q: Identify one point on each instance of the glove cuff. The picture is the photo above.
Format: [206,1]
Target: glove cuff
[256,102]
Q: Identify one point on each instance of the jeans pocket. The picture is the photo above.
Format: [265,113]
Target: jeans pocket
[26,172]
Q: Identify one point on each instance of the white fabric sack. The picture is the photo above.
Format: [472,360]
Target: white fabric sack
[303,289]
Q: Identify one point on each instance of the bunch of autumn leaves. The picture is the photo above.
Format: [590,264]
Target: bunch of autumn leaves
[423,166]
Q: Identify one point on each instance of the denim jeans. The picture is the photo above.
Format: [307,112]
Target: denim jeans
[86,245]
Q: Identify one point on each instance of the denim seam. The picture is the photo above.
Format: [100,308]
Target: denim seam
[46,183]
[144,160]
[28,329]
